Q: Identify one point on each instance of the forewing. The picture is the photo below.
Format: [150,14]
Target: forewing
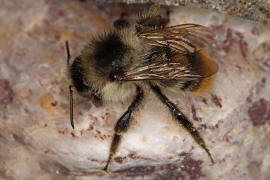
[160,70]
[178,68]
[185,38]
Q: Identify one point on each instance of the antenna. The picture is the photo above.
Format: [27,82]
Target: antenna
[70,89]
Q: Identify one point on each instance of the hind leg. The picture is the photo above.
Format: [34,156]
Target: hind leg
[182,119]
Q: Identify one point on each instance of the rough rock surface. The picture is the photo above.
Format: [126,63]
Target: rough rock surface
[249,9]
[36,139]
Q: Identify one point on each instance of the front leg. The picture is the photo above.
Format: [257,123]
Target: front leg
[123,124]
[182,119]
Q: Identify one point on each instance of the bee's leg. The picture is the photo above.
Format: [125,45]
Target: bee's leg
[121,22]
[68,53]
[152,19]
[182,119]
[151,23]
[97,100]
[123,124]
[71,105]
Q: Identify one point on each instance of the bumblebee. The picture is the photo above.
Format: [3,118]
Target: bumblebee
[127,61]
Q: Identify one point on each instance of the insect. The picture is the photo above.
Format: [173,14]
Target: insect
[130,59]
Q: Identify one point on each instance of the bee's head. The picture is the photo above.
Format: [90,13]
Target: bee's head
[77,76]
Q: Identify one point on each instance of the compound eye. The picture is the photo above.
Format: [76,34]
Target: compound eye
[116,75]
[113,77]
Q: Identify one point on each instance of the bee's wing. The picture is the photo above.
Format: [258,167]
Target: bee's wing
[160,70]
[184,38]
[201,66]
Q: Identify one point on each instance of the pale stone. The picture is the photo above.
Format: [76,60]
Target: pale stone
[37,141]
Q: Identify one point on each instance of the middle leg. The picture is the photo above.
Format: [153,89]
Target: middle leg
[123,124]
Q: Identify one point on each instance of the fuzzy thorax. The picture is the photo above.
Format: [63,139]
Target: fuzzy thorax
[108,55]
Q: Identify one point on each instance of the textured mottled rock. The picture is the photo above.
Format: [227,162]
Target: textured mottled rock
[249,9]
[37,141]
